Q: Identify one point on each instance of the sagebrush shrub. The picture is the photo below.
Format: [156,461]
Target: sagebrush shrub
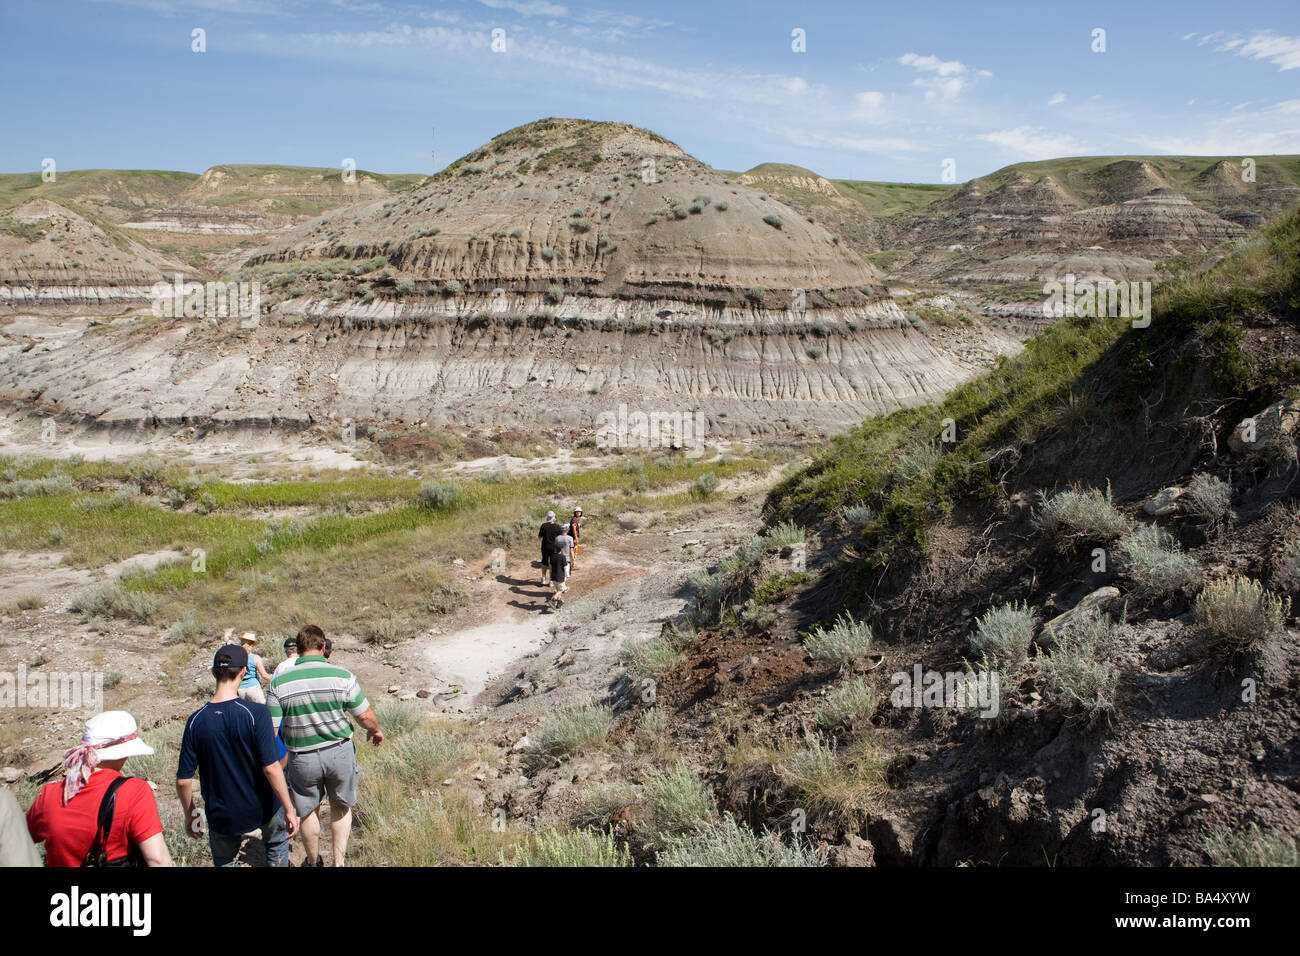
[726,843]
[857,517]
[845,642]
[1083,513]
[1079,674]
[853,700]
[573,730]
[1003,633]
[437,495]
[1155,563]
[1211,499]
[1238,613]
[705,485]
[679,800]
[786,534]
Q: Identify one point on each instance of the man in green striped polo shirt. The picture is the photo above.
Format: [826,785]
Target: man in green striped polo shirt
[310,703]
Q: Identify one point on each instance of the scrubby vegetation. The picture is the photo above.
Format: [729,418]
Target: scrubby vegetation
[1239,614]
[1156,564]
[843,643]
[1087,514]
[1002,634]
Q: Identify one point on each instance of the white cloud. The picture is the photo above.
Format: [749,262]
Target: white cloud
[1282,51]
[933,64]
[1056,100]
[941,79]
[795,84]
[1034,142]
[1273,129]
[870,106]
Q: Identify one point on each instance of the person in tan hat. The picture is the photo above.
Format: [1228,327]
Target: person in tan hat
[251,688]
[573,531]
[66,814]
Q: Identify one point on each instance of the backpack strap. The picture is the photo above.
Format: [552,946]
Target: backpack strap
[97,855]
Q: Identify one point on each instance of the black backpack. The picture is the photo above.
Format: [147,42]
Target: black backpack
[97,855]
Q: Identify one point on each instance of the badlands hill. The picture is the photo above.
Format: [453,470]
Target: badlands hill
[564,269]
[568,267]
[110,233]
[1107,215]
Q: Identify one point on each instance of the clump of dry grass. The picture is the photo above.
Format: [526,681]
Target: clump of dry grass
[1239,614]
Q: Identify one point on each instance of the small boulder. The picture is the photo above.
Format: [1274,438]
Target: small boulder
[1270,433]
[1099,600]
[1164,503]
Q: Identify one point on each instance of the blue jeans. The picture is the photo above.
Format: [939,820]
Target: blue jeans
[275,837]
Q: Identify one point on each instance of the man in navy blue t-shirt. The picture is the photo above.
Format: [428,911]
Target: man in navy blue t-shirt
[233,746]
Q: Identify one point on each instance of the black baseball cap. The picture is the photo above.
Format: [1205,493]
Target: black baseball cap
[231,655]
[291,643]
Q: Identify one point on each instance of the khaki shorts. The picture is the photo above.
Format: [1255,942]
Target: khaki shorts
[253,693]
[330,772]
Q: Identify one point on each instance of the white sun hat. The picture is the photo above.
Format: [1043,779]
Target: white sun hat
[111,735]
[111,726]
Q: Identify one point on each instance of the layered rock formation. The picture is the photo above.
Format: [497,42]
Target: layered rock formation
[748,375]
[564,269]
[52,255]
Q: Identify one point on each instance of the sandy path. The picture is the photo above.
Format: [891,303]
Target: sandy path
[515,619]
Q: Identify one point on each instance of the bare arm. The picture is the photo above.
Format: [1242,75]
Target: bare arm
[262,671]
[370,722]
[275,776]
[185,791]
[155,852]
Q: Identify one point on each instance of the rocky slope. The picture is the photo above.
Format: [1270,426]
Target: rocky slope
[1165,738]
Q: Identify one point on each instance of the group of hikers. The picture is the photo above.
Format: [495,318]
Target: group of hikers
[267,760]
[560,545]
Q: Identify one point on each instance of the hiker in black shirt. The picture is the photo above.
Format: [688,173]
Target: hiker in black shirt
[548,533]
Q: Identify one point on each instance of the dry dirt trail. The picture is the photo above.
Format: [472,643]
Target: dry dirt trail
[511,619]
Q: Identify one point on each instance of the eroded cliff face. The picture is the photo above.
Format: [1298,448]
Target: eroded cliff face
[748,372]
[595,207]
[54,254]
[565,270]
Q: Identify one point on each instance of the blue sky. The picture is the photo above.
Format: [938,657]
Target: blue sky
[883,90]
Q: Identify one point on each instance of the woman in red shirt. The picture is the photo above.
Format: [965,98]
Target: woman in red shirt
[65,814]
